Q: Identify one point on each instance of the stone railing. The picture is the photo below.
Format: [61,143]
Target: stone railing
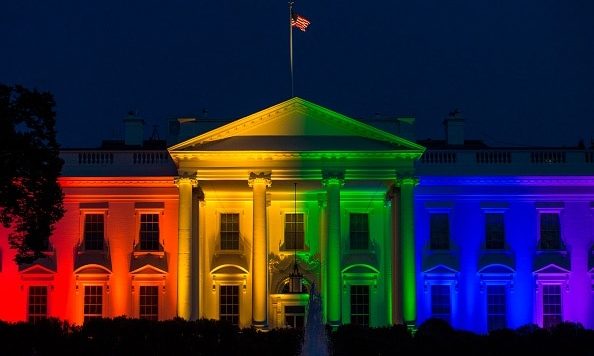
[439,157]
[91,157]
[116,163]
[493,157]
[103,158]
[522,161]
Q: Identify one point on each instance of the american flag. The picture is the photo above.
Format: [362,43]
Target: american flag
[299,21]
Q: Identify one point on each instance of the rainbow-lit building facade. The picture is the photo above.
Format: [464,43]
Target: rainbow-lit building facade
[239,222]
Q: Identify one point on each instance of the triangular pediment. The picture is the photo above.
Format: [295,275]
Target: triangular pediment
[441,269]
[552,269]
[37,269]
[149,264]
[149,269]
[297,125]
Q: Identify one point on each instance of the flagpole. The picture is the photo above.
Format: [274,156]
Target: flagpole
[291,45]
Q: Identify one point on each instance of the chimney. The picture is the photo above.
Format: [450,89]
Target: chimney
[133,130]
[454,128]
[187,128]
[405,128]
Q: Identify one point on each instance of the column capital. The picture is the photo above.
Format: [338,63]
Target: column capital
[405,180]
[186,178]
[262,177]
[329,178]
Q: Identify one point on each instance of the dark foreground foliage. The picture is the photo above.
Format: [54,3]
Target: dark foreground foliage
[122,336]
[437,337]
[30,196]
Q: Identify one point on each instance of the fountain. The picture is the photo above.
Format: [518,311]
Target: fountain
[315,341]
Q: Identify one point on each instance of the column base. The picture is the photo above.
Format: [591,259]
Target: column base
[334,324]
[411,325]
[260,324]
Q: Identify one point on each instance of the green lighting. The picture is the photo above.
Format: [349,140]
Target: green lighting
[409,307]
[334,286]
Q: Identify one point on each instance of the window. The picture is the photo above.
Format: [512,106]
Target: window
[37,303]
[93,302]
[551,305]
[294,231]
[229,231]
[359,231]
[229,304]
[295,316]
[550,231]
[440,302]
[149,302]
[94,231]
[360,305]
[149,232]
[440,231]
[495,231]
[496,307]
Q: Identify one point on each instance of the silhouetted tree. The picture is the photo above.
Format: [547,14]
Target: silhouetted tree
[30,197]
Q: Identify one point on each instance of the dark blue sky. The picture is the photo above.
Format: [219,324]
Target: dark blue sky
[521,72]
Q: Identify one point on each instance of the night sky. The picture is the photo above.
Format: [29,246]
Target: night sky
[520,72]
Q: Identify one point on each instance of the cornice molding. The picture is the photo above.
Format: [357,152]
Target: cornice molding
[286,155]
[116,181]
[522,181]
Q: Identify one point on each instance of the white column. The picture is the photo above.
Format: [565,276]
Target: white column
[333,182]
[396,256]
[407,250]
[184,248]
[322,287]
[259,183]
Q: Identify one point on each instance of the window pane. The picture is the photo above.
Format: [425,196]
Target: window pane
[93,302]
[496,307]
[294,231]
[360,305]
[440,302]
[93,231]
[551,305]
[37,303]
[149,232]
[149,302]
[295,316]
[359,231]
[440,231]
[229,304]
[229,231]
[495,231]
[550,231]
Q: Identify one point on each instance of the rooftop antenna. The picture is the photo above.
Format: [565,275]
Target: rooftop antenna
[155,134]
[295,276]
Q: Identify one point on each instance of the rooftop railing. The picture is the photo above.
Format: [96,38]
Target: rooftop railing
[117,163]
[102,158]
[508,161]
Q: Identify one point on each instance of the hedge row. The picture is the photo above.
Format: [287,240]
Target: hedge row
[122,336]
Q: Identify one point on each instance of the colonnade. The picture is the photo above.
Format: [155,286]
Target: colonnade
[403,247]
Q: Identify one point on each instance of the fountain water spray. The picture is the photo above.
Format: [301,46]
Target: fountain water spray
[315,340]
